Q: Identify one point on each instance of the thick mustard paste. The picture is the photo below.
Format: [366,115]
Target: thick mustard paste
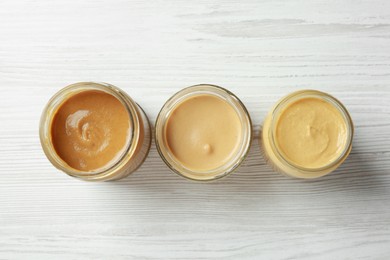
[311,133]
[203,132]
[90,130]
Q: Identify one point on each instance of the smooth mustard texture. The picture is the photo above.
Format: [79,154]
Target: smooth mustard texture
[203,132]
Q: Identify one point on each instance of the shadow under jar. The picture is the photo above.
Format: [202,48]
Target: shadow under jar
[203,132]
[94,132]
[307,134]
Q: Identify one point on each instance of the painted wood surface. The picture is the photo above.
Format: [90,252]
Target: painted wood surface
[260,50]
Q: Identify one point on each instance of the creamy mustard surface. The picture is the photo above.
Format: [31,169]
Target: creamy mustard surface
[203,132]
[90,130]
[311,132]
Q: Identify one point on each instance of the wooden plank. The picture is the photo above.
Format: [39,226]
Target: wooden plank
[260,50]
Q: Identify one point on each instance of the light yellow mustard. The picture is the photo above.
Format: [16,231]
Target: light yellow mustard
[311,133]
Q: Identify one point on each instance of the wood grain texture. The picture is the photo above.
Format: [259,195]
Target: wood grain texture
[260,50]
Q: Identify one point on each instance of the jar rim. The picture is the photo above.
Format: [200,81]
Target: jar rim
[57,101]
[172,103]
[300,94]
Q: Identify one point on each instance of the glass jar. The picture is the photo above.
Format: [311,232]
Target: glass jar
[137,146]
[275,156]
[239,154]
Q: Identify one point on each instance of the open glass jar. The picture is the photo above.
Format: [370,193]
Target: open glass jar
[317,135]
[198,116]
[135,149]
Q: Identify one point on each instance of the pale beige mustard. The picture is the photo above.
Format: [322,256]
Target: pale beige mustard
[203,132]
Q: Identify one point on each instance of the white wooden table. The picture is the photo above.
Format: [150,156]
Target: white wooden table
[260,50]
